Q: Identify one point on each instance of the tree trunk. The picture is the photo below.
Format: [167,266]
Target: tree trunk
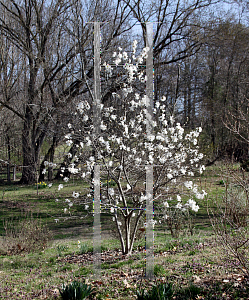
[29,168]
[128,250]
[9,157]
[127,245]
[30,150]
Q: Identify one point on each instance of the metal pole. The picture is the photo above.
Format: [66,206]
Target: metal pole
[96,123]
[149,168]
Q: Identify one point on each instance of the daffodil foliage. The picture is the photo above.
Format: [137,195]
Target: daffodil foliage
[123,150]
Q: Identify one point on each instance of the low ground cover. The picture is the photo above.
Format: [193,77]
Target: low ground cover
[190,263]
[194,265]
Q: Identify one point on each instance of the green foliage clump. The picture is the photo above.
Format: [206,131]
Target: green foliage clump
[190,292]
[165,291]
[162,291]
[109,183]
[11,188]
[61,248]
[76,291]
[41,185]
[222,182]
[85,248]
[158,270]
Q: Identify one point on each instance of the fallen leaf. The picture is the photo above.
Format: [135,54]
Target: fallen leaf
[124,274]
[126,284]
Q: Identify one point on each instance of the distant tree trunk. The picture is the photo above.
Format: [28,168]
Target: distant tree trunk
[29,160]
[8,166]
[31,149]
[29,166]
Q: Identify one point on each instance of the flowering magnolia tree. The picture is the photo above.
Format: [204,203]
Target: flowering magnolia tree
[123,150]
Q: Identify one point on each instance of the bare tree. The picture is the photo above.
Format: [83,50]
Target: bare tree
[55,42]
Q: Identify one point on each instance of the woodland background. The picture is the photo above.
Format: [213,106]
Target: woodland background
[201,65]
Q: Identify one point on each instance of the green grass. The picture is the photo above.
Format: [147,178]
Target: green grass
[178,261]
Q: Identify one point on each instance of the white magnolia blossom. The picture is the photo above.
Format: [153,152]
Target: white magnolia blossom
[179,198]
[188,184]
[75,194]
[60,186]
[200,195]
[128,187]
[85,118]
[111,191]
[72,169]
[202,168]
[166,204]
[179,205]
[69,142]
[170,176]
[134,46]
[192,204]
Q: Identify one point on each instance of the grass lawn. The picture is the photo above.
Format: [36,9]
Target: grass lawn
[195,265]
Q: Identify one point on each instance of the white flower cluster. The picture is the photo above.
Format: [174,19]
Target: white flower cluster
[48,164]
[72,169]
[191,186]
[69,202]
[83,106]
[192,204]
[131,67]
[124,149]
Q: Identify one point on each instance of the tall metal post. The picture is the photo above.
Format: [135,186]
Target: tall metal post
[96,123]
[149,168]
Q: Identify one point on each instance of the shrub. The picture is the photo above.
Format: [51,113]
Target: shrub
[230,221]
